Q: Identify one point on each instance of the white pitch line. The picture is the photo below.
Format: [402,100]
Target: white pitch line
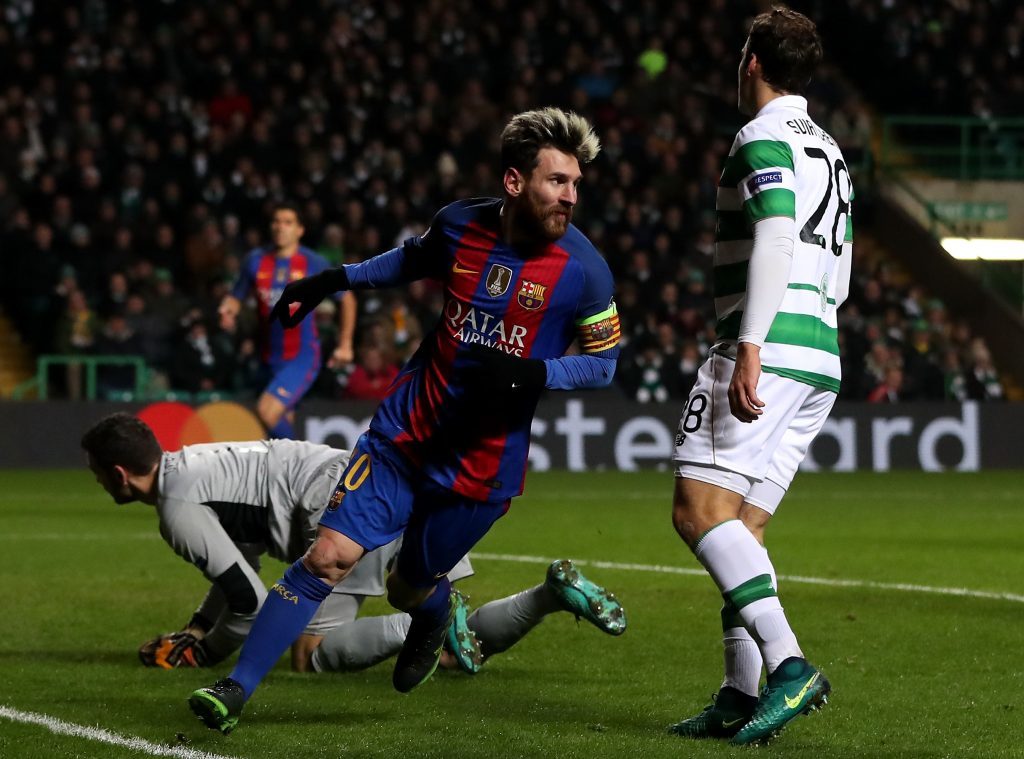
[658,568]
[835,583]
[61,727]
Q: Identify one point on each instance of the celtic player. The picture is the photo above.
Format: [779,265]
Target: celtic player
[782,268]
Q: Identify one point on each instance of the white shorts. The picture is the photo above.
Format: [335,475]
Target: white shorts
[757,460]
[367,579]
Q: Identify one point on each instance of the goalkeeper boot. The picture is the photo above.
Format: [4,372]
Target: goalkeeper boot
[579,596]
[460,641]
[421,651]
[794,688]
[730,709]
[218,706]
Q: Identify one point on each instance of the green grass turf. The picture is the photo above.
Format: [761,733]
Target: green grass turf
[915,674]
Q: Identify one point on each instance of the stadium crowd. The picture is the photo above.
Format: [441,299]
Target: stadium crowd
[143,144]
[955,57]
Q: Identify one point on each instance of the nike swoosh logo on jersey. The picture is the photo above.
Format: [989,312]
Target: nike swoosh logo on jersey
[794,702]
[456,269]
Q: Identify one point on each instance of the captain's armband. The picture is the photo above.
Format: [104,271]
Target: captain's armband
[599,332]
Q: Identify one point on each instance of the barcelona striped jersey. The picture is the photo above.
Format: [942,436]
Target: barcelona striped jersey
[265,274]
[528,302]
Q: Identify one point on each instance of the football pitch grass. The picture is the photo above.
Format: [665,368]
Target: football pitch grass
[918,669]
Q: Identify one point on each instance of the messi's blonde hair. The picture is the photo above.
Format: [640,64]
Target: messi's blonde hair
[528,132]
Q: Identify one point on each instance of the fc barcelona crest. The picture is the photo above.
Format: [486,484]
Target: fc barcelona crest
[336,498]
[498,280]
[601,331]
[531,295]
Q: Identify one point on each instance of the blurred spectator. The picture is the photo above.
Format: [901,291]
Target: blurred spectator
[981,382]
[166,303]
[200,364]
[154,331]
[372,376]
[205,252]
[115,296]
[247,371]
[647,379]
[116,340]
[76,334]
[332,247]
[690,359]
[890,389]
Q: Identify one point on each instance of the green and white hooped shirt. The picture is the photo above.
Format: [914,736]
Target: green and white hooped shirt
[782,164]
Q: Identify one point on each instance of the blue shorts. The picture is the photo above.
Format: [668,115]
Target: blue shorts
[380,495]
[290,380]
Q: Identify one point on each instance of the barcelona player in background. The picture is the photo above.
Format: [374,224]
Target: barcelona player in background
[291,358]
[447,448]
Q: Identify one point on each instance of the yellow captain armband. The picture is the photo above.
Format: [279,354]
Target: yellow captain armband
[599,332]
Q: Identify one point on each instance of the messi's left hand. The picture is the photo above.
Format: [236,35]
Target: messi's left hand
[307,292]
[499,371]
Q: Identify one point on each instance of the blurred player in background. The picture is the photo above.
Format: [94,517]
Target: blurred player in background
[782,268]
[447,449]
[223,505]
[291,358]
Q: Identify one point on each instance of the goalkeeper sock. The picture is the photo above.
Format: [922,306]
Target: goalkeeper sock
[361,643]
[283,428]
[501,624]
[291,603]
[742,570]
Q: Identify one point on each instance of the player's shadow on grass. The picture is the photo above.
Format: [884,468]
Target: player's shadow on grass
[74,657]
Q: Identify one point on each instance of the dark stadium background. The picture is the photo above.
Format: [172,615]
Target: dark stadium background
[143,144]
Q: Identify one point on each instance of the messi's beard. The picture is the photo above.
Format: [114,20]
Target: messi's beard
[546,223]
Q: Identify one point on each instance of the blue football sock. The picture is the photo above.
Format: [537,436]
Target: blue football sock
[436,606]
[291,603]
[283,428]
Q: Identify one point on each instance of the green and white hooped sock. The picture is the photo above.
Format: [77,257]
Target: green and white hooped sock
[743,572]
[742,656]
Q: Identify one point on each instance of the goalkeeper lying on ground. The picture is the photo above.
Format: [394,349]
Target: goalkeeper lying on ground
[222,505]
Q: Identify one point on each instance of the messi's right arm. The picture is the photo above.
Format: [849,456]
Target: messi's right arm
[416,258]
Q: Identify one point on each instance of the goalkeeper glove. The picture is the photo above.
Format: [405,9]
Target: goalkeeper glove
[178,649]
[308,293]
[498,371]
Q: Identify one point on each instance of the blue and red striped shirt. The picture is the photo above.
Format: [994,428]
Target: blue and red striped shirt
[530,303]
[265,274]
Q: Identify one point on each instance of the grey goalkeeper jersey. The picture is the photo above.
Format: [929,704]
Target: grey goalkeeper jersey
[266,492]
[222,505]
